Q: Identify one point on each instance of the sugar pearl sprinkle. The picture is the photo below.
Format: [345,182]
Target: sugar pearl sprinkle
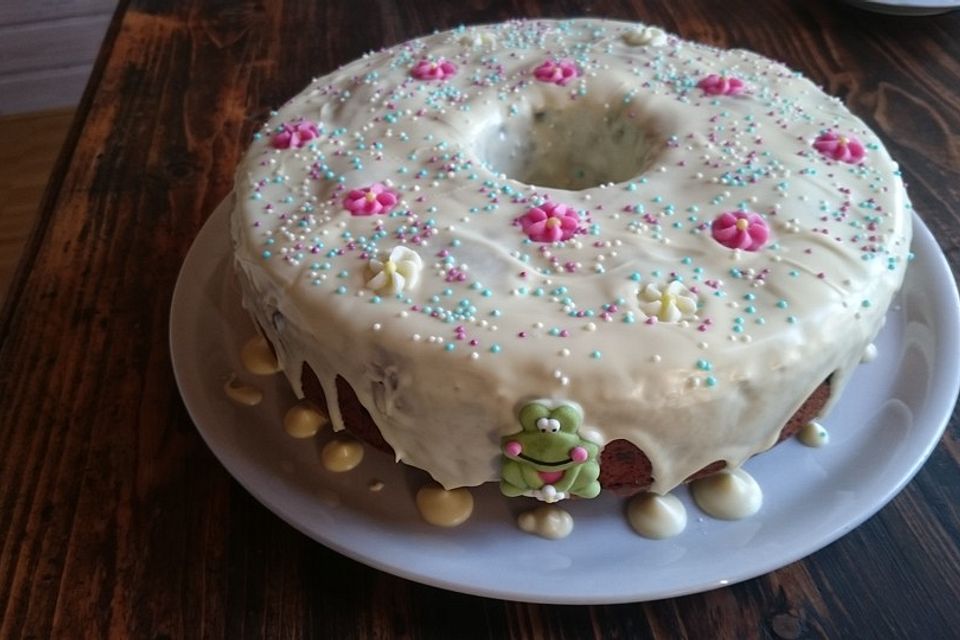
[499,277]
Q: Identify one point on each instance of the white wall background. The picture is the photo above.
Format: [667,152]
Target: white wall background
[47,48]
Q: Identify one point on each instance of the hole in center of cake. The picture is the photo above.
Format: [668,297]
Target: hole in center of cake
[577,146]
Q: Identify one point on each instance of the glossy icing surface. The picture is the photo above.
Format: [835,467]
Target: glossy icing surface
[644,316]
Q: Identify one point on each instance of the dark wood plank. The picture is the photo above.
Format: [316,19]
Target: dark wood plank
[115,519]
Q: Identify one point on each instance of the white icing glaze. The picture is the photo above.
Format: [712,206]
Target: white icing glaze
[257,357]
[718,384]
[869,354]
[729,495]
[340,455]
[550,522]
[444,508]
[655,516]
[242,393]
[304,420]
[813,434]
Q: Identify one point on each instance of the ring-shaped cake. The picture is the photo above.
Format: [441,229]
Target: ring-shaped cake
[584,228]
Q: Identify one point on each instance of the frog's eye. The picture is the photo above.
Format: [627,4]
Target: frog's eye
[531,414]
[569,419]
[548,425]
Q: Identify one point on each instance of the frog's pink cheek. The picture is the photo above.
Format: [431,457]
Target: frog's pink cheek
[512,448]
[579,454]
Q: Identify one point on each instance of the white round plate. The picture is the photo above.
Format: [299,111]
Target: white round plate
[888,422]
[907,7]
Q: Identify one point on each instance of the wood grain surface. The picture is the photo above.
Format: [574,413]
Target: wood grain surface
[117,521]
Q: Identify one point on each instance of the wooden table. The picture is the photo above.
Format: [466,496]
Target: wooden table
[115,518]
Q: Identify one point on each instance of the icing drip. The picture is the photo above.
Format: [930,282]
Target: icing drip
[257,357]
[728,495]
[444,508]
[304,420]
[341,454]
[869,354]
[655,516]
[242,393]
[552,523]
[813,434]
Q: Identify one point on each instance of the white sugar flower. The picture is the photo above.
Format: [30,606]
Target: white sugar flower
[673,303]
[400,272]
[644,36]
[478,39]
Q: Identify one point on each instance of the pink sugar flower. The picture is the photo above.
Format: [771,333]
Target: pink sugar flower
[717,85]
[439,69]
[550,222]
[368,201]
[840,148]
[557,71]
[294,134]
[740,230]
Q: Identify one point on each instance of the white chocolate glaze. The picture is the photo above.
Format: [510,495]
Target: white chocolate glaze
[257,357]
[304,420]
[813,434]
[444,508]
[242,393]
[546,521]
[341,454]
[648,161]
[729,494]
[655,516]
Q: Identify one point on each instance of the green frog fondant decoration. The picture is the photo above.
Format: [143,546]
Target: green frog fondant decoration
[548,459]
